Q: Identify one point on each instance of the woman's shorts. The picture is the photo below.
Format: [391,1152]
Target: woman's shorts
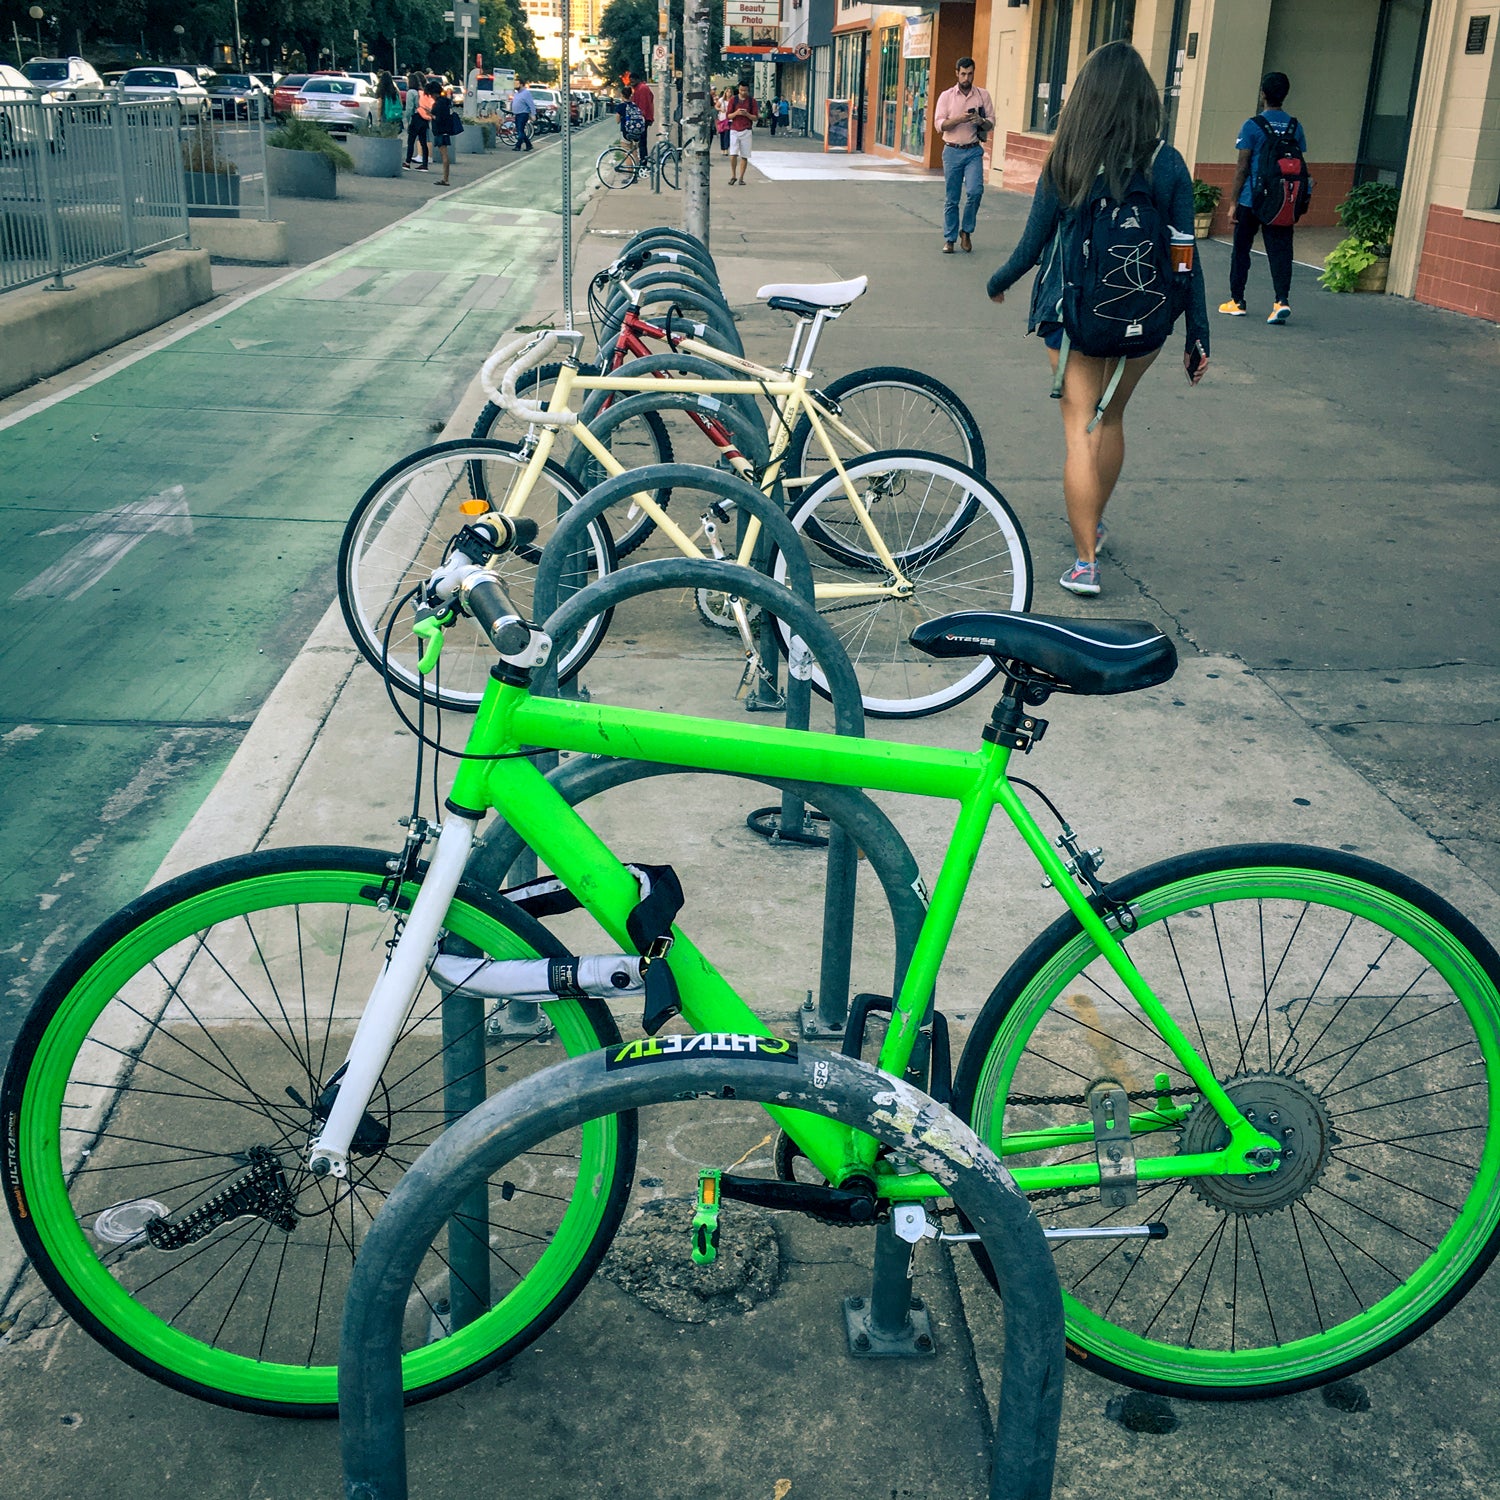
[1050,334]
[442,140]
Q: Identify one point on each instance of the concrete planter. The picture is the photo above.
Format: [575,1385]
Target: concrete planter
[375,155]
[301,174]
[212,195]
[470,143]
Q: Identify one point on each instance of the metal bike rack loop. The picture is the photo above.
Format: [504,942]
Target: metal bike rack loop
[794,606]
[371,1420]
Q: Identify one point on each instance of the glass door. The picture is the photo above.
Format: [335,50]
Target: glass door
[888,96]
[1054,22]
[1392,94]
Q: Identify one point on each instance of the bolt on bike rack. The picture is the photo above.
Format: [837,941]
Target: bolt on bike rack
[794,605]
[371,1418]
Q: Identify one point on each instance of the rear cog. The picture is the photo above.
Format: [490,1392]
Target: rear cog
[1282,1107]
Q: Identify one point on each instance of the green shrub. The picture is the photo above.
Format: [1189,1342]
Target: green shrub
[1369,213]
[201,153]
[1343,264]
[304,135]
[1205,196]
[382,130]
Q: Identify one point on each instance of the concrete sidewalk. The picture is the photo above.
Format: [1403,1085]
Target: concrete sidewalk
[617,1400]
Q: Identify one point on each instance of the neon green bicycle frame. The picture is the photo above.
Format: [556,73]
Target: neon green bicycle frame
[509,719]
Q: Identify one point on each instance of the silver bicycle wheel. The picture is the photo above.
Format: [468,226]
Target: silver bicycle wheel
[615,168]
[956,543]
[400,531]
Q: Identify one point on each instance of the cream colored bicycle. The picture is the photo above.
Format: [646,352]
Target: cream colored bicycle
[895,536]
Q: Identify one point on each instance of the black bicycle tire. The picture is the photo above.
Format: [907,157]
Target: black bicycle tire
[1153,893]
[369,636]
[123,940]
[805,455]
[602,427]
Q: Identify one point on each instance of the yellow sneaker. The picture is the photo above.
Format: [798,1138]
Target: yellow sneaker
[1233,308]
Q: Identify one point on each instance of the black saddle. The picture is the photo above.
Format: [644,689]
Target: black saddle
[1068,655]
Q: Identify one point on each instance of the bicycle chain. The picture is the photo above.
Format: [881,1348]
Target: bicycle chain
[1081,1099]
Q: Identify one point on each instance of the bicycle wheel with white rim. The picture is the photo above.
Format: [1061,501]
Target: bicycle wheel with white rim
[956,545]
[400,531]
[1349,1012]
[889,407]
[616,167]
[170,1078]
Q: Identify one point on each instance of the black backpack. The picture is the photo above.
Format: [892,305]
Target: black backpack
[1120,296]
[1282,188]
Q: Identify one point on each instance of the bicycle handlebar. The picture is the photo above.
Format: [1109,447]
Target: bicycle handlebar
[464,582]
[529,352]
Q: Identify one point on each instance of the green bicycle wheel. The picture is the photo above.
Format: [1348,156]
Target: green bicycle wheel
[162,1096]
[1347,1010]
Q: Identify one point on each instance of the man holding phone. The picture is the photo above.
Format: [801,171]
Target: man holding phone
[964,116]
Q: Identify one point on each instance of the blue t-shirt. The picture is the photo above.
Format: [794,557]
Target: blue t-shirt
[1253,139]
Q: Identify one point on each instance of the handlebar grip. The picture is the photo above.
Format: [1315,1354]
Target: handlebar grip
[496,615]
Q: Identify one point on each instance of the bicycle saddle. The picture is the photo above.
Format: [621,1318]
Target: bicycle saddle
[809,298]
[1072,656]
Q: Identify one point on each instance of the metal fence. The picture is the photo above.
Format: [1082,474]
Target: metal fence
[103,182]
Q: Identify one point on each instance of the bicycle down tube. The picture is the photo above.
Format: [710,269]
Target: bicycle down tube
[510,718]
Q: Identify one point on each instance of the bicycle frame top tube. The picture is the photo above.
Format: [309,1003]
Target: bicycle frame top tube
[509,719]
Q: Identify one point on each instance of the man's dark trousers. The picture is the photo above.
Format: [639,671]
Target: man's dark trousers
[1278,243]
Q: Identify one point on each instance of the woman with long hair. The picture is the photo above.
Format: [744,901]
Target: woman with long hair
[444,117]
[390,99]
[1110,126]
[416,119]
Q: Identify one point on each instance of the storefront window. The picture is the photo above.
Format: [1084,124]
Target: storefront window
[1054,20]
[1111,21]
[914,113]
[848,81]
[888,96]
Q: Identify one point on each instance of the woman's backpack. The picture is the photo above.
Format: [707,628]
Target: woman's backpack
[1120,295]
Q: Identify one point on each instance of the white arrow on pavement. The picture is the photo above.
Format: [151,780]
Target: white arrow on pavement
[112,534]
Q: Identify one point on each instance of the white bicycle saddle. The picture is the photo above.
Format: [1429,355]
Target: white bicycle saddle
[818,293]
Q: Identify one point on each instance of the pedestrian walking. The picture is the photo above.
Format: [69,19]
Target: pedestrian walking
[721,103]
[418,118]
[1259,135]
[1107,148]
[964,116]
[523,112]
[390,99]
[783,115]
[445,125]
[741,123]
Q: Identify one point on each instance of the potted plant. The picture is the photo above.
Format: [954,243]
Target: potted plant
[1360,261]
[470,140]
[1205,201]
[376,150]
[303,160]
[211,179]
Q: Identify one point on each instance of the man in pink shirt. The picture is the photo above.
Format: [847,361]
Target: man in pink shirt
[964,116]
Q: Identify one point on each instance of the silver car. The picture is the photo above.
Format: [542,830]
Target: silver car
[63,80]
[340,103]
[166,83]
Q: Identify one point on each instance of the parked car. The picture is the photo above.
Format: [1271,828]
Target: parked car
[286,91]
[63,79]
[238,96]
[166,83]
[340,103]
[546,109]
[18,129]
[268,80]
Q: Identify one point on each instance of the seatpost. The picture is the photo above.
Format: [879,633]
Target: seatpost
[823,315]
[791,357]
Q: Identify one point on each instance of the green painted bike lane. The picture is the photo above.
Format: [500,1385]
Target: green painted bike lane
[168,536]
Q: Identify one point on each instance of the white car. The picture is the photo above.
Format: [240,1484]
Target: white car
[63,80]
[339,102]
[166,83]
[18,128]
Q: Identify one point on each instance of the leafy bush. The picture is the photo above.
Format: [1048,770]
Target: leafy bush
[201,153]
[1343,264]
[1369,214]
[1205,196]
[382,130]
[304,135]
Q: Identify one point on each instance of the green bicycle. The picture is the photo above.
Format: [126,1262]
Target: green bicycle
[1287,1058]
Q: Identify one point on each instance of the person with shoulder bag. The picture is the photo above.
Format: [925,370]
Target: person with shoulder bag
[1111,226]
[445,125]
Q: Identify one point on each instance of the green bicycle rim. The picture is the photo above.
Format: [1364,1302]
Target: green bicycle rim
[1452,1265]
[134,1327]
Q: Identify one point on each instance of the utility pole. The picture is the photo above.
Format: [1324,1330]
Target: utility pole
[697,118]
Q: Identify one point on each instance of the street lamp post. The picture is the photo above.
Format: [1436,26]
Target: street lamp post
[36,14]
[177,32]
[239,51]
[265,44]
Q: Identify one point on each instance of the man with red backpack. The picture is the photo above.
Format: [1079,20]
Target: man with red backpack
[1270,193]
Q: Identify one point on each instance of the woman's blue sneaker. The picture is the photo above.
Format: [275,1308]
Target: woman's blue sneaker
[1081,578]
